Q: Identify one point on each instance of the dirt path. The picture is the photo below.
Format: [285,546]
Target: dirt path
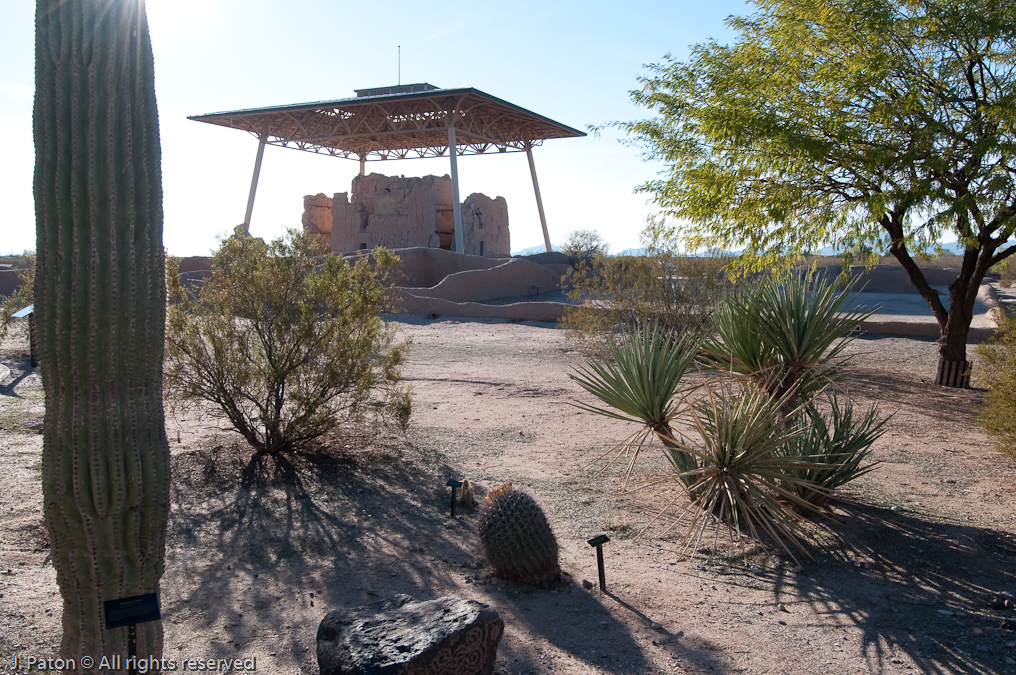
[258,554]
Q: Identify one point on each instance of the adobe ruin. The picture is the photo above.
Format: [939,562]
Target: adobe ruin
[399,212]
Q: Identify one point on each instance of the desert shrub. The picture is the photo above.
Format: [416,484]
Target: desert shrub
[22,297]
[288,343]
[612,294]
[585,243]
[996,368]
[743,478]
[1006,273]
[785,333]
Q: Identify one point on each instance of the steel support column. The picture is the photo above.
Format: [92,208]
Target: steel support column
[363,164]
[539,200]
[456,206]
[254,180]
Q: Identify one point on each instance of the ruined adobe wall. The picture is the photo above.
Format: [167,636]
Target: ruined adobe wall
[399,212]
[393,212]
[317,217]
[485,225]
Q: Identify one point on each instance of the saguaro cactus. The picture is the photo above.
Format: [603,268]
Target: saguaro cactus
[100,300]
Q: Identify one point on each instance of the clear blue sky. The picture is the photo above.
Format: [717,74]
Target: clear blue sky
[574,62]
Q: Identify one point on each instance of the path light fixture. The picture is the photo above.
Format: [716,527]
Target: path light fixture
[598,542]
[453,484]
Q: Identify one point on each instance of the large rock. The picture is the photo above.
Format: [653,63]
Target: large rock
[447,636]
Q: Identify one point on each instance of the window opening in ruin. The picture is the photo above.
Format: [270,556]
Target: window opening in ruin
[481,248]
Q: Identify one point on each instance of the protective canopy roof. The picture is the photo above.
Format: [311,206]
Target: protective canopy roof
[401,125]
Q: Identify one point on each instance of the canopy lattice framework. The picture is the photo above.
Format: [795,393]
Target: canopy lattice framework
[403,122]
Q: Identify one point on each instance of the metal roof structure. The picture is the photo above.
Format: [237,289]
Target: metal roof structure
[397,125]
[401,122]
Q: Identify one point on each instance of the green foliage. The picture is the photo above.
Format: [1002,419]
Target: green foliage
[996,368]
[742,478]
[287,343]
[875,125]
[1006,273]
[585,243]
[640,382]
[838,449]
[20,298]
[765,455]
[787,333]
[622,293]
[516,537]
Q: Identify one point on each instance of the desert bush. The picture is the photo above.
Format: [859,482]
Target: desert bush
[1006,273]
[761,456]
[22,297]
[743,478]
[996,368]
[786,333]
[585,243]
[612,294]
[288,343]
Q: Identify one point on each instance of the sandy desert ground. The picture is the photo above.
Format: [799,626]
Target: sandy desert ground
[258,554]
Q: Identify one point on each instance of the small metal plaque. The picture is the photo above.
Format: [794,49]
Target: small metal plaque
[598,540]
[136,609]
[454,483]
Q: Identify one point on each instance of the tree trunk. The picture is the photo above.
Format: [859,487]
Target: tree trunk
[100,298]
[953,367]
[954,322]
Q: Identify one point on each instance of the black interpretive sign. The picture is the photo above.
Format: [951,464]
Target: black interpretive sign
[136,609]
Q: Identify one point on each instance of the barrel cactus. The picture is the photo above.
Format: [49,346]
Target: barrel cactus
[516,537]
[100,302]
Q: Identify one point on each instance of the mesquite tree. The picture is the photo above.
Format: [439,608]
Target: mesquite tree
[100,301]
[880,125]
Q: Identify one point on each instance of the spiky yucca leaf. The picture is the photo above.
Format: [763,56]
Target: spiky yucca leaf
[840,448]
[639,384]
[785,333]
[742,479]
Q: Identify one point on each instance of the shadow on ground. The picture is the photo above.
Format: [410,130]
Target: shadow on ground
[324,530]
[919,586]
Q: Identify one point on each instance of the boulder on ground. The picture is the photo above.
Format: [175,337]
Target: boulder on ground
[447,636]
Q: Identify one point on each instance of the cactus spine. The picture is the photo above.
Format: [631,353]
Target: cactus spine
[100,301]
[516,537]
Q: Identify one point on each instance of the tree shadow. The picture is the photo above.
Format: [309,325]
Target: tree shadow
[579,624]
[913,584]
[331,529]
[949,405]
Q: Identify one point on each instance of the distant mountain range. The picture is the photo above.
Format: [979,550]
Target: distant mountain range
[952,247]
[533,250]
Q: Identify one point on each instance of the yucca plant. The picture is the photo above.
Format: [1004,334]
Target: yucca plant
[837,450]
[743,479]
[785,334]
[639,383]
